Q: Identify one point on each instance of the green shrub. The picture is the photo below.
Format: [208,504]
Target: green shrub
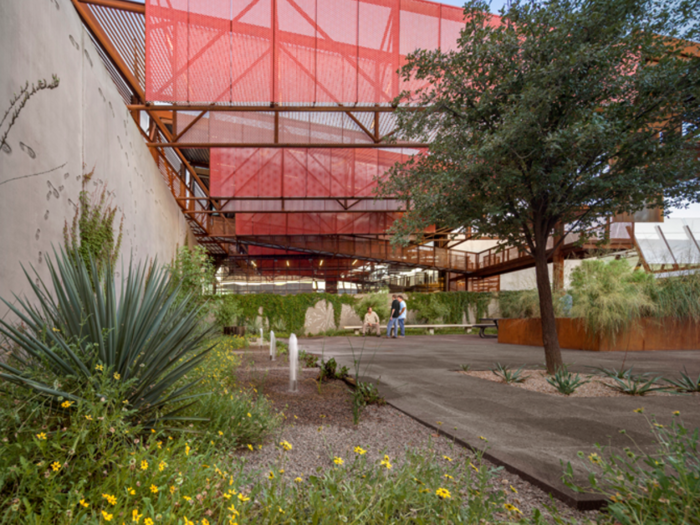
[676,296]
[379,303]
[686,383]
[226,311]
[522,304]
[448,306]
[84,328]
[638,386]
[610,296]
[661,486]
[193,272]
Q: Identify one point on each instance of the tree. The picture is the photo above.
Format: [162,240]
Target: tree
[560,115]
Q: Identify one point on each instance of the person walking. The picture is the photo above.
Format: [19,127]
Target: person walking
[393,317]
[371,321]
[402,316]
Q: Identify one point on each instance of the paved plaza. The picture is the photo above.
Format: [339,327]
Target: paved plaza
[528,432]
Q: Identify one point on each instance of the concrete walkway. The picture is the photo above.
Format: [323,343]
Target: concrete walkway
[528,432]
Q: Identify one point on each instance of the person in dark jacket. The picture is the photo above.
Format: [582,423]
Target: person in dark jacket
[393,317]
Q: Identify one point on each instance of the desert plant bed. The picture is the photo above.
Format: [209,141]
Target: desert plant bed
[536,381]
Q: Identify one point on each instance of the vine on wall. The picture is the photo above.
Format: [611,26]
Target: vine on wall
[448,307]
[91,234]
[287,311]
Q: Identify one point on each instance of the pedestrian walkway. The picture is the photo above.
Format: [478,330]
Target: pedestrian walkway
[528,432]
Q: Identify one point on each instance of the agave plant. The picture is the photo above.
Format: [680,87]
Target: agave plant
[638,386]
[565,382]
[622,373]
[685,383]
[140,334]
[508,375]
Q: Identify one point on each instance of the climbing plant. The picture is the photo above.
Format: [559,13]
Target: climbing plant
[193,270]
[288,311]
[91,234]
[448,306]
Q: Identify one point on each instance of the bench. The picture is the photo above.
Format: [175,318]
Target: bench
[483,326]
[430,327]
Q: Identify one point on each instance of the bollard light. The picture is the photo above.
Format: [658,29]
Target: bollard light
[273,346]
[293,362]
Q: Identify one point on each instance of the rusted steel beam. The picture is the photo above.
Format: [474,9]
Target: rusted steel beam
[227,199]
[122,5]
[187,128]
[362,127]
[198,145]
[272,108]
[105,42]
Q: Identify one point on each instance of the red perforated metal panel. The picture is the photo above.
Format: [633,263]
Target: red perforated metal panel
[289,51]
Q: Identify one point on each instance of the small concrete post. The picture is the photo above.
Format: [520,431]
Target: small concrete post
[261,338]
[293,362]
[273,346]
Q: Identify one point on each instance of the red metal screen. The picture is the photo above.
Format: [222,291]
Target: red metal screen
[339,179]
[289,51]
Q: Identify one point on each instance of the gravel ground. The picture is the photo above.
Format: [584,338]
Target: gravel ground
[537,382]
[319,426]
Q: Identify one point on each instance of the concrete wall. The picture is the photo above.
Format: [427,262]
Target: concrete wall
[61,134]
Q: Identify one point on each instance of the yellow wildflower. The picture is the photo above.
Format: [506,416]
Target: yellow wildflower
[638,410]
[144,465]
[244,498]
[187,449]
[594,458]
[221,433]
[280,510]
[135,516]
[99,368]
[483,438]
[56,466]
[117,376]
[443,493]
[447,458]
[249,414]
[286,445]
[149,521]
[677,413]
[447,476]
[130,491]
[298,480]
[172,489]
[159,444]
[250,446]
[472,466]
[107,516]
[512,508]
[41,436]
[88,417]
[162,465]
[513,489]
[83,503]
[359,450]
[271,475]
[338,461]
[110,498]
[66,404]
[154,489]
[385,462]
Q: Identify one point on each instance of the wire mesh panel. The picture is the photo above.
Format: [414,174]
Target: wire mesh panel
[325,52]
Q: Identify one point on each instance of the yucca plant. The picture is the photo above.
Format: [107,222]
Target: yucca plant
[565,382]
[139,333]
[686,383]
[508,375]
[622,373]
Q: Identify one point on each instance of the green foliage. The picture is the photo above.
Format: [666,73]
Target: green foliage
[508,375]
[233,417]
[610,297]
[329,370]
[84,328]
[638,386]
[226,312]
[193,272]
[308,360]
[685,383]
[661,486]
[448,306]
[465,368]
[622,373]
[91,235]
[565,382]
[521,304]
[374,492]
[379,303]
[676,297]
[286,313]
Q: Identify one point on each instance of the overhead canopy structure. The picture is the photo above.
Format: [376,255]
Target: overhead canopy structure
[272,122]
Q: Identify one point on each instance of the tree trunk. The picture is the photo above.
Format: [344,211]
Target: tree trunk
[552,352]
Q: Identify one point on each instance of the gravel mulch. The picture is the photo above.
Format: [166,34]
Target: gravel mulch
[320,427]
[537,382]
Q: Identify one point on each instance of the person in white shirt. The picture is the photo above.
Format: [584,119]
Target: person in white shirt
[402,316]
[371,321]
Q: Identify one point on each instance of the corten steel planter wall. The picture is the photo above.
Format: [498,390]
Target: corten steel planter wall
[648,334]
